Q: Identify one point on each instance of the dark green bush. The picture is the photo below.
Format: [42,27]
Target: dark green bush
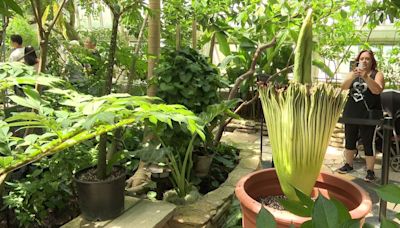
[186,77]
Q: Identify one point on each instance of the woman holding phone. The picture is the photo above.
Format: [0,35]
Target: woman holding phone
[366,84]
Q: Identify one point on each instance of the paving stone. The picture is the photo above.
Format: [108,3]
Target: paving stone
[249,123]
[335,144]
[235,176]
[145,214]
[219,195]
[194,215]
[339,126]
[219,220]
[338,130]
[337,140]
[249,131]
[250,162]
[229,128]
[338,135]
[234,125]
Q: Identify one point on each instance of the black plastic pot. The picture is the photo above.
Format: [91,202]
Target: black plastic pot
[102,200]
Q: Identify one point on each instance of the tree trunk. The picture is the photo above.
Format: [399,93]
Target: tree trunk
[194,33]
[3,39]
[111,55]
[102,162]
[102,158]
[153,43]
[72,34]
[137,181]
[43,54]
[43,33]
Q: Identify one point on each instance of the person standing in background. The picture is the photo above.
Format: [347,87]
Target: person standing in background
[366,84]
[18,51]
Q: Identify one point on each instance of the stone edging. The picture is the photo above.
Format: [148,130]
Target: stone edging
[212,209]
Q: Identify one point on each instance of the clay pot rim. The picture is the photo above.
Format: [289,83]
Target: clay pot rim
[253,205]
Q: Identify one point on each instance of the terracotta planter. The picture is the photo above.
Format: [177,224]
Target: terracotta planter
[265,182]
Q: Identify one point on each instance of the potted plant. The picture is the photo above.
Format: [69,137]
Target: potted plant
[74,118]
[204,150]
[175,150]
[300,120]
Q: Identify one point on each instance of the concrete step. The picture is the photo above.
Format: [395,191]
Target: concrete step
[138,213]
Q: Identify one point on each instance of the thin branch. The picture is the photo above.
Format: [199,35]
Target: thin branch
[57,16]
[141,32]
[280,72]
[58,145]
[36,12]
[239,80]
[348,48]
[132,71]
[252,100]
[110,5]
[252,69]
[119,75]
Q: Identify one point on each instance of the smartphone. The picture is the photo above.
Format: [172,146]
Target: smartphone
[353,65]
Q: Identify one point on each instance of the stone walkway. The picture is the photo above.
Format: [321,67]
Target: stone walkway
[333,160]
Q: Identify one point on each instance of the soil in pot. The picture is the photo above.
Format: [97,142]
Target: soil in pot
[273,201]
[90,175]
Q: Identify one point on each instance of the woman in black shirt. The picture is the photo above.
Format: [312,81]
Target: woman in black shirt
[366,84]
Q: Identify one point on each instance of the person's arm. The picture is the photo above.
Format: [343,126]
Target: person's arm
[349,79]
[376,86]
[12,57]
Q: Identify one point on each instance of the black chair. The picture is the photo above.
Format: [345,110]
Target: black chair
[390,100]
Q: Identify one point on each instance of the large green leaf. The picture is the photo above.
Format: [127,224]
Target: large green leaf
[350,223]
[6,161]
[26,102]
[265,218]
[307,224]
[389,192]
[14,6]
[5,12]
[325,213]
[296,208]
[322,66]
[385,223]
[223,43]
[343,212]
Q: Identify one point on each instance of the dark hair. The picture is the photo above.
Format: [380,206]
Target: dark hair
[16,39]
[374,64]
[30,56]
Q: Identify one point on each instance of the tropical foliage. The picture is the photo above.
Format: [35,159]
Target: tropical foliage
[81,117]
[63,115]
